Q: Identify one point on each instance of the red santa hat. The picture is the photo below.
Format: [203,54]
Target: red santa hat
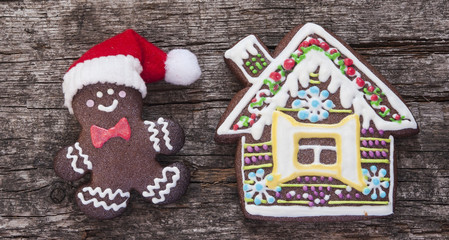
[129,59]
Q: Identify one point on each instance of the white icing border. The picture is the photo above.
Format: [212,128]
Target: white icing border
[306,211]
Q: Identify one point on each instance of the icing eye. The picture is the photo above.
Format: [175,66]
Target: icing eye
[99,94]
[122,94]
[90,103]
[110,91]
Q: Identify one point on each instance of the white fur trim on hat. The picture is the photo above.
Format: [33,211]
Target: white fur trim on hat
[117,69]
[181,67]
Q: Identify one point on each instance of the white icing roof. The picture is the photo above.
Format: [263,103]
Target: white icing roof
[350,95]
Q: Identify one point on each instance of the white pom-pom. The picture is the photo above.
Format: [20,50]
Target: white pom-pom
[181,67]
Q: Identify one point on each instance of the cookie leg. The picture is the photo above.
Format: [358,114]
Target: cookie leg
[168,185]
[101,202]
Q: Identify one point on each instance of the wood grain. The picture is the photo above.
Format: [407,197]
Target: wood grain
[406,41]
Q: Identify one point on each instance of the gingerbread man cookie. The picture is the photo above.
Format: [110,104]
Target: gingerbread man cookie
[104,89]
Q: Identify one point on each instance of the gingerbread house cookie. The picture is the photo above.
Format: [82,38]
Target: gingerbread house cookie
[315,128]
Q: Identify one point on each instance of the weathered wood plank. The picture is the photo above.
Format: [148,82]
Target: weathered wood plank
[406,41]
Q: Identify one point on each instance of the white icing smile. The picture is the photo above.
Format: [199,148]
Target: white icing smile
[109,108]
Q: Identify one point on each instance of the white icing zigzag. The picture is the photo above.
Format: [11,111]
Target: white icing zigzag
[103,204]
[157,186]
[153,137]
[166,132]
[107,191]
[84,156]
[75,158]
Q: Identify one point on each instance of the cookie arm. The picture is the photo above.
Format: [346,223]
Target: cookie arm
[166,136]
[71,162]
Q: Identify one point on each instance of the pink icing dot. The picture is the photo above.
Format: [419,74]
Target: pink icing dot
[322,201]
[322,178]
[310,197]
[377,154]
[363,131]
[348,196]
[267,157]
[320,188]
[357,195]
[249,149]
[371,130]
[254,159]
[383,143]
[122,94]
[298,179]
[340,195]
[371,153]
[257,148]
[376,142]
[304,188]
[247,160]
[384,154]
[329,188]
[381,132]
[260,158]
[90,103]
[265,147]
[314,179]
[364,143]
[315,193]
[288,195]
[364,154]
[278,194]
[370,143]
[310,204]
[321,194]
[330,179]
[298,196]
[307,179]
[312,188]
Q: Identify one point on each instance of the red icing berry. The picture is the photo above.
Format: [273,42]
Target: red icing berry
[324,46]
[360,82]
[275,87]
[275,76]
[350,71]
[397,117]
[254,100]
[289,64]
[348,61]
[304,44]
[251,122]
[333,50]
[261,94]
[253,116]
[374,97]
[370,88]
[314,41]
[382,109]
[235,127]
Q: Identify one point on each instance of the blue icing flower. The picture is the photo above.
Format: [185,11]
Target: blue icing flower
[314,90]
[302,94]
[303,114]
[296,103]
[257,189]
[375,182]
[313,104]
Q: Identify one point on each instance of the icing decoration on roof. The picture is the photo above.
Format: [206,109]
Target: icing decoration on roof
[301,57]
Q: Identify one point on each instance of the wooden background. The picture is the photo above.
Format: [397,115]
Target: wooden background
[406,41]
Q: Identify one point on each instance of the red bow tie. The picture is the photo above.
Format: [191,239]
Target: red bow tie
[100,135]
